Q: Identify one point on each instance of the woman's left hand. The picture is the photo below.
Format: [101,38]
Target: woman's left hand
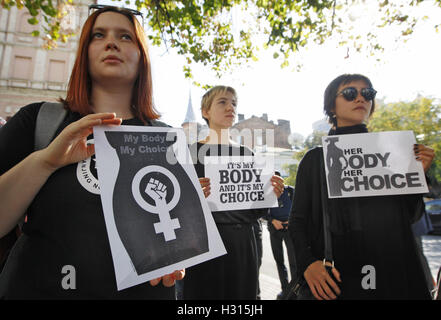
[278,185]
[169,279]
[424,154]
[206,187]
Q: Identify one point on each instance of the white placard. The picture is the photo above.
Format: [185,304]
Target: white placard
[157,218]
[240,182]
[372,164]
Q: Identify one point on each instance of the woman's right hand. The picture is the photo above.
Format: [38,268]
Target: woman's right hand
[320,282]
[70,146]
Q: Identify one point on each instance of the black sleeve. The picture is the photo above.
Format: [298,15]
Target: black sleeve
[267,217]
[415,205]
[300,217]
[17,137]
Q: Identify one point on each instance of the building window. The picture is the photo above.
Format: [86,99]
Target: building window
[56,71]
[259,140]
[22,68]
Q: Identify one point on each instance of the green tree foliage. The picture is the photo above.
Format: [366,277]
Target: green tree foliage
[51,13]
[292,171]
[224,33]
[312,141]
[422,116]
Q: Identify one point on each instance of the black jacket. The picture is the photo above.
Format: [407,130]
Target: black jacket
[365,231]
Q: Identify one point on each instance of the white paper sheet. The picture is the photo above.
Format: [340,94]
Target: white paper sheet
[372,164]
[157,218]
[240,182]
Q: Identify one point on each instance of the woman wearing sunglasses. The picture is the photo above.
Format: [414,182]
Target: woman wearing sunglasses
[64,252]
[366,232]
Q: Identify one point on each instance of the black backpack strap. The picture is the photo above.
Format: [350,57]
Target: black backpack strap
[156,123]
[49,118]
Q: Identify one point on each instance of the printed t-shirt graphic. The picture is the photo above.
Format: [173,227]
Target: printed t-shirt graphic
[87,174]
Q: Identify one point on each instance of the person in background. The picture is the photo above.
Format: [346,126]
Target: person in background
[110,84]
[365,231]
[278,230]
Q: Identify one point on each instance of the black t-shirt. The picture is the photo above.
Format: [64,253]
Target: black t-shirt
[65,227]
[198,154]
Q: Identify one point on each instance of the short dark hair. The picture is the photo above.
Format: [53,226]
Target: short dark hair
[331,94]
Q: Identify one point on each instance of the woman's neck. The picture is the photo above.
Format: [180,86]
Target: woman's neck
[116,100]
[218,136]
[358,128]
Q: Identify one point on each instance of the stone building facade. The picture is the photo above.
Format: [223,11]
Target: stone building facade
[266,139]
[258,131]
[28,72]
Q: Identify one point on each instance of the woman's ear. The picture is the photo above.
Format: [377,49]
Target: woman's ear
[205,114]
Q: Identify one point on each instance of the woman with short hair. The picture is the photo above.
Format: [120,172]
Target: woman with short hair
[366,232]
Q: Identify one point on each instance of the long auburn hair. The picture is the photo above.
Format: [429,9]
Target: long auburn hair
[78,98]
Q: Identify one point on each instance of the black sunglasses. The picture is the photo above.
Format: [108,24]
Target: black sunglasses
[136,13]
[351,93]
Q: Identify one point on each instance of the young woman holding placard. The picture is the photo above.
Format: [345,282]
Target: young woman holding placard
[374,251]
